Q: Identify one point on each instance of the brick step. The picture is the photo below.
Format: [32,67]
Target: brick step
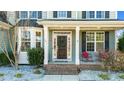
[69,69]
[61,69]
[90,66]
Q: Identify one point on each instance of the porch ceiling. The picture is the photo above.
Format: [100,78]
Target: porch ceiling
[84,25]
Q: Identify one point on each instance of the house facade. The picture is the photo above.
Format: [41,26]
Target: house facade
[64,35]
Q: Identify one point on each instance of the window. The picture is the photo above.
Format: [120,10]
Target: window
[100,14]
[62,14]
[99,41]
[23,14]
[33,14]
[90,14]
[25,40]
[38,39]
[95,41]
[95,14]
[90,41]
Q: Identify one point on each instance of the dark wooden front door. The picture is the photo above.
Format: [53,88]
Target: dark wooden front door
[62,47]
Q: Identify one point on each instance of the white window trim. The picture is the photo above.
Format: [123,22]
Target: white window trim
[95,15]
[95,40]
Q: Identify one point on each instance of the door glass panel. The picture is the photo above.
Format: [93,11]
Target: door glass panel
[62,47]
[25,40]
[38,36]
[25,46]
[25,36]
[38,39]
[38,44]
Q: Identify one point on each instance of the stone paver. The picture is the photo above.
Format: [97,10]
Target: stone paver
[52,78]
[89,75]
[70,78]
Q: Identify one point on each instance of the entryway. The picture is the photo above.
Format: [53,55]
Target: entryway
[62,46]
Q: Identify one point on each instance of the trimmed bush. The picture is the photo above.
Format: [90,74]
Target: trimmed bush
[18,75]
[4,60]
[36,56]
[121,76]
[121,43]
[1,74]
[104,76]
[37,71]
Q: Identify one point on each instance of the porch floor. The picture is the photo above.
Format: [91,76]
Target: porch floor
[61,62]
[72,62]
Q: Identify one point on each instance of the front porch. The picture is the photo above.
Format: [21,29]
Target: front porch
[76,41]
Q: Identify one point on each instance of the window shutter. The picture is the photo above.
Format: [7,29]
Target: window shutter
[107,14]
[68,14]
[54,14]
[39,14]
[107,41]
[83,41]
[84,14]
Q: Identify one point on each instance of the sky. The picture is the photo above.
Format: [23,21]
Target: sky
[121,15]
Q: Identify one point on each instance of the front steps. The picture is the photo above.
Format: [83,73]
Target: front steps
[61,69]
[68,69]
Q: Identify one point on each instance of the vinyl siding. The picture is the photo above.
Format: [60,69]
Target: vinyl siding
[113,15]
[49,15]
[112,40]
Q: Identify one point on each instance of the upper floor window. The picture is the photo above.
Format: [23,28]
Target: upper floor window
[33,14]
[62,14]
[23,14]
[30,14]
[90,14]
[100,14]
[95,14]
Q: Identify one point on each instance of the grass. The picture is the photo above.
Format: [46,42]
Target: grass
[37,71]
[1,74]
[104,76]
[18,75]
[121,76]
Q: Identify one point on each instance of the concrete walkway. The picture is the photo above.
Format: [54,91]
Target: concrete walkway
[60,78]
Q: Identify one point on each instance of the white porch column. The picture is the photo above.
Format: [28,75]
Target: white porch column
[46,44]
[19,40]
[77,45]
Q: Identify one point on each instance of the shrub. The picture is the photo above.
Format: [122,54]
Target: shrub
[4,60]
[18,75]
[36,56]
[1,74]
[108,59]
[104,76]
[121,76]
[121,43]
[37,71]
